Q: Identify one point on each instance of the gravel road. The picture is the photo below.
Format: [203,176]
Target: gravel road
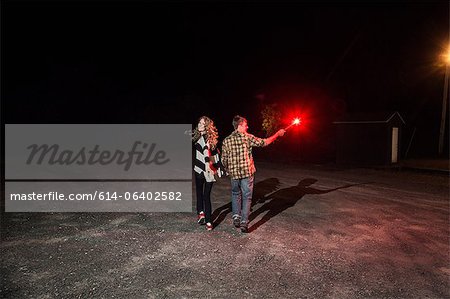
[315,232]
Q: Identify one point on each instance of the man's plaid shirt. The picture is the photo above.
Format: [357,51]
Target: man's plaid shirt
[237,154]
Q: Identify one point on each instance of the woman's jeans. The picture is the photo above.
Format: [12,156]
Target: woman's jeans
[203,190]
[241,197]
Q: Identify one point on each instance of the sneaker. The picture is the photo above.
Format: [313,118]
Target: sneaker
[244,228]
[236,222]
[209,226]
[201,218]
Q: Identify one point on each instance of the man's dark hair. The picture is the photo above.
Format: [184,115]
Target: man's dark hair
[237,120]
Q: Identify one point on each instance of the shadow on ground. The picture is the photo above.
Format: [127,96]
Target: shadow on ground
[274,200]
[285,198]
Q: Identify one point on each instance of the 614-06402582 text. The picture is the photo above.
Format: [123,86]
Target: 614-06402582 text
[99,195]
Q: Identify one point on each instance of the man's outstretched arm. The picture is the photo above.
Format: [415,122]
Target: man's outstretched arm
[272,138]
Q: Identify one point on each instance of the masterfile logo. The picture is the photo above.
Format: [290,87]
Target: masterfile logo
[98,168]
[44,151]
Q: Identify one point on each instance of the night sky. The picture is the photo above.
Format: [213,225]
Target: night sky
[172,62]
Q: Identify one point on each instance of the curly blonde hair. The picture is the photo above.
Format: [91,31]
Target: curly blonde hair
[212,134]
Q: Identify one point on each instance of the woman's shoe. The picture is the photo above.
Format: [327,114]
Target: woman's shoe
[201,218]
[209,226]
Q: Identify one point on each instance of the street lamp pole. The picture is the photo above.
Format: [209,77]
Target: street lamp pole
[445,95]
[444,109]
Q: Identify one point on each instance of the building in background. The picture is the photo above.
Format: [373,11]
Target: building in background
[369,139]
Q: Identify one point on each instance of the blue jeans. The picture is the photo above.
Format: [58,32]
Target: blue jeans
[241,197]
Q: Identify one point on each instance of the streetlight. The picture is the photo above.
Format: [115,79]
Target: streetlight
[446,57]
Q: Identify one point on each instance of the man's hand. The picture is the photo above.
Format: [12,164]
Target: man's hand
[281,132]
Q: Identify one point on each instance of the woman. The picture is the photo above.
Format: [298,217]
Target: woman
[206,167]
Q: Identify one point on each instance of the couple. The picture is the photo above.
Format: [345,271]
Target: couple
[237,161]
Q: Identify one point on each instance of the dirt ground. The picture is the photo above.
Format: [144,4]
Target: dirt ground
[315,232]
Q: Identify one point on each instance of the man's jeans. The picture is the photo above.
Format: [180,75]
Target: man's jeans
[241,197]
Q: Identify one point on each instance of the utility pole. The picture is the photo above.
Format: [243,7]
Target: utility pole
[445,95]
[444,110]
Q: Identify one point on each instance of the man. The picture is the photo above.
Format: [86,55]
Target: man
[238,161]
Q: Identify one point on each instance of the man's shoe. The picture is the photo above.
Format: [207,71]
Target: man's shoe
[244,228]
[209,226]
[236,222]
[201,218]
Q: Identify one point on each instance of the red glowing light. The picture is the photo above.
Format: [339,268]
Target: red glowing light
[296,121]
